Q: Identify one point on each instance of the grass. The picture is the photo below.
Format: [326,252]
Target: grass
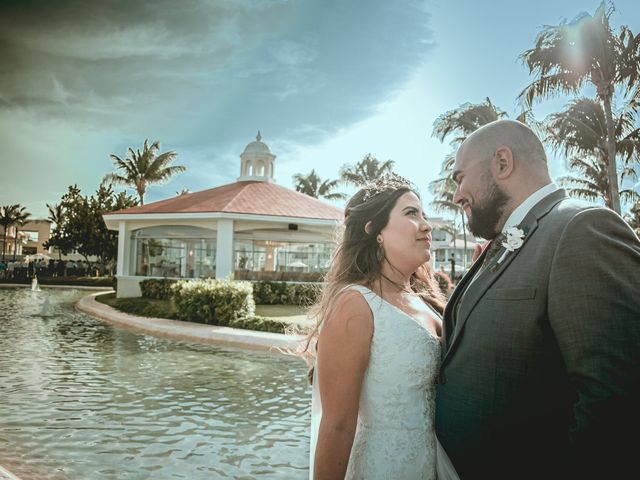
[283,313]
[140,306]
[291,314]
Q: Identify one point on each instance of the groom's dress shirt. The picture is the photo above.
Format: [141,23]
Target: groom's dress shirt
[521,211]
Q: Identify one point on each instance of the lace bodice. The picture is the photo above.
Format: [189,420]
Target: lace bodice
[395,435]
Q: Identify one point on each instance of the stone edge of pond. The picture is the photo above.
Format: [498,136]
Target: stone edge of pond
[188,331]
[74,287]
[6,474]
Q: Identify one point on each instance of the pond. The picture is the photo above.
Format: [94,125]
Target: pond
[83,400]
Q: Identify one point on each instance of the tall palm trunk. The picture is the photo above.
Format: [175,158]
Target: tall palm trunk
[15,244]
[612,171]
[4,243]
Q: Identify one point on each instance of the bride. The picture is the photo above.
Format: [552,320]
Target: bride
[378,348]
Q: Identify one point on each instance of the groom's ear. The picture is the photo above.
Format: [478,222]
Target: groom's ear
[503,163]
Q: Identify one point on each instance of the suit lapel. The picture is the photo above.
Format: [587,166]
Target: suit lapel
[451,307]
[492,272]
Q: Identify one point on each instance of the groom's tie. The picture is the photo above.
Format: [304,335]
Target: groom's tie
[492,250]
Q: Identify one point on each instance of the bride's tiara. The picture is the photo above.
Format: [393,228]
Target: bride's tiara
[389,181]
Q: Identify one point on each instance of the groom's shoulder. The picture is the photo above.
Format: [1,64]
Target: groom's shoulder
[574,214]
[571,207]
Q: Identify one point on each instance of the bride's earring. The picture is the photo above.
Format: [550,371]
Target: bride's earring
[380,249]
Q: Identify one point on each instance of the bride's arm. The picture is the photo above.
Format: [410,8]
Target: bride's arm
[343,355]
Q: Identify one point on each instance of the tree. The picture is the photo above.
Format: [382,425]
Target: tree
[20,218]
[633,217]
[8,215]
[141,169]
[56,239]
[365,171]
[82,227]
[184,191]
[312,185]
[570,55]
[580,133]
[458,123]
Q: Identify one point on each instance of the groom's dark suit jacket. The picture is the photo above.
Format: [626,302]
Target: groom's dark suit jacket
[541,370]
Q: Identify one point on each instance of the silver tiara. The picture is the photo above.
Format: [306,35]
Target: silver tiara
[389,181]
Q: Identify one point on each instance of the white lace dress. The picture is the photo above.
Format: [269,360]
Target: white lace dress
[395,436]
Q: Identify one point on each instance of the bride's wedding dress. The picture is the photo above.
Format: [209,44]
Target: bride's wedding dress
[395,435]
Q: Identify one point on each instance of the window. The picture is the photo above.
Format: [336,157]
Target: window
[288,258]
[439,236]
[174,251]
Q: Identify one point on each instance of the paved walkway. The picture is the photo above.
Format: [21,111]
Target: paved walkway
[188,331]
[76,287]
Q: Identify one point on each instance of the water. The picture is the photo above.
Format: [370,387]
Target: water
[81,400]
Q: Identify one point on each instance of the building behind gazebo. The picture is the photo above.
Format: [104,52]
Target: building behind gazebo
[252,229]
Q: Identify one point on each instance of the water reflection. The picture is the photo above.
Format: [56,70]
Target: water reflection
[83,400]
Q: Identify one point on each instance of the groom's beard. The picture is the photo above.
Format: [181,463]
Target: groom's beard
[485,216]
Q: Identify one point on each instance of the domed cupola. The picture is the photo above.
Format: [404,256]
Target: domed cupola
[256,162]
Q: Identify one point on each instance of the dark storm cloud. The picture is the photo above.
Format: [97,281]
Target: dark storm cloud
[206,70]
[80,80]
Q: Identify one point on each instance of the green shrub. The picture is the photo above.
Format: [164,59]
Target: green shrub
[271,293]
[145,308]
[215,302]
[260,324]
[156,288]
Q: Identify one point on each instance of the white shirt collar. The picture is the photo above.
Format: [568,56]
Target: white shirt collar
[521,211]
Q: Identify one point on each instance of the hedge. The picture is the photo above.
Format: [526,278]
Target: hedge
[270,293]
[145,308]
[215,302]
[159,289]
[261,324]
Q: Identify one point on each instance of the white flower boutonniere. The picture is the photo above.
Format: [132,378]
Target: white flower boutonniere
[513,241]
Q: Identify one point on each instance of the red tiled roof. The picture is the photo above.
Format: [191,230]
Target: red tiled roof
[249,197]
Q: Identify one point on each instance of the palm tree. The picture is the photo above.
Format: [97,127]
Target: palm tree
[8,215]
[312,185]
[140,169]
[459,123]
[592,181]
[580,133]
[586,50]
[57,216]
[465,120]
[20,218]
[365,171]
[633,217]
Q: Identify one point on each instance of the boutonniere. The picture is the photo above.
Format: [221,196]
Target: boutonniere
[513,240]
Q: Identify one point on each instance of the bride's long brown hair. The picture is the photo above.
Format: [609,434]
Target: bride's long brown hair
[356,261]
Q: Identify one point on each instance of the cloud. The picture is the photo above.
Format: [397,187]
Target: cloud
[201,76]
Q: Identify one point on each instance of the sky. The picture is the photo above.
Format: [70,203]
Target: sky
[325,81]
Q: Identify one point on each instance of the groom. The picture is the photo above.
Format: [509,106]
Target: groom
[541,372]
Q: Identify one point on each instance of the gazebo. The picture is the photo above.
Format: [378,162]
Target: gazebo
[253,229]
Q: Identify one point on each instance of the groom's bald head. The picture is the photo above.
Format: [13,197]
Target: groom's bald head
[497,167]
[525,146]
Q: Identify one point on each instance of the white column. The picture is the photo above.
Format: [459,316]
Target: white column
[124,245]
[224,248]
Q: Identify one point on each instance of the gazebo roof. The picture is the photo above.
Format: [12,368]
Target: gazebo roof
[245,197]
